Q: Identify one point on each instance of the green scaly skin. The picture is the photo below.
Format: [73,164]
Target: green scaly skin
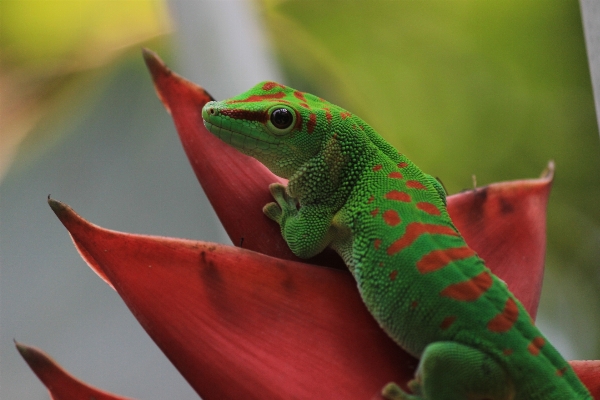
[387,219]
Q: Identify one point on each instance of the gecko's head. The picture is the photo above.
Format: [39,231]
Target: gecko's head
[275,124]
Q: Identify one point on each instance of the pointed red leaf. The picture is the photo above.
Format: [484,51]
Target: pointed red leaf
[61,384]
[506,224]
[589,373]
[239,324]
[236,185]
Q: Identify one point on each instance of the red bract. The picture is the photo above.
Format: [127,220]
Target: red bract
[239,324]
[60,384]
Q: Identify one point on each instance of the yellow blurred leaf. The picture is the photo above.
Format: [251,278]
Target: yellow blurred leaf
[48,47]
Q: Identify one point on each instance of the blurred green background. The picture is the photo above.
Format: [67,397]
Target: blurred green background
[494,89]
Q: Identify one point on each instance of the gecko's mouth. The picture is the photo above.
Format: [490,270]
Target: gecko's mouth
[237,139]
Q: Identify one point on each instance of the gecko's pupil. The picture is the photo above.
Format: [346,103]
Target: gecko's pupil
[282,118]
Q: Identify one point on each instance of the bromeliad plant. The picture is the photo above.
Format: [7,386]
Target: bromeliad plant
[256,322]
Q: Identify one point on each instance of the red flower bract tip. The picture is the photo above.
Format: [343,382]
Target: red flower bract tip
[67,216]
[60,384]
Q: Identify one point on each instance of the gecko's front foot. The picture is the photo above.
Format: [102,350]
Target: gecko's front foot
[283,207]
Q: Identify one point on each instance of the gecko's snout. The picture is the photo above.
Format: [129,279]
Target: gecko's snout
[209,110]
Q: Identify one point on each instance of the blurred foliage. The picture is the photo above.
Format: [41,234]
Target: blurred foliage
[494,89]
[51,52]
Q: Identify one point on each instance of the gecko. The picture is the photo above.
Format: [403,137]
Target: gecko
[350,190]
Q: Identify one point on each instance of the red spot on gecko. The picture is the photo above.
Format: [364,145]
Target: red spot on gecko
[345,114]
[536,345]
[255,97]
[438,259]
[271,85]
[504,321]
[380,264]
[391,217]
[377,243]
[561,371]
[300,96]
[428,208]
[397,195]
[402,165]
[395,175]
[507,352]
[447,322]
[469,290]
[375,212]
[413,231]
[415,185]
[312,122]
[328,115]
[393,275]
[414,304]
[377,167]
[371,199]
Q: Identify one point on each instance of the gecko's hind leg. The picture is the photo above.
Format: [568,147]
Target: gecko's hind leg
[452,371]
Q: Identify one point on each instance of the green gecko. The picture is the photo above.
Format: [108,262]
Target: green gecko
[387,219]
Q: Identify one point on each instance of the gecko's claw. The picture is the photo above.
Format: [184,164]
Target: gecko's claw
[273,211]
[391,391]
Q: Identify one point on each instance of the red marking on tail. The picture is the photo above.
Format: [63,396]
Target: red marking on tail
[312,122]
[428,208]
[507,352]
[345,114]
[375,212]
[536,345]
[377,167]
[416,229]
[377,243]
[414,304]
[397,195]
[371,199]
[395,175]
[504,321]
[391,217]
[271,85]
[438,259]
[469,290]
[447,322]
[415,185]
[256,97]
[393,275]
[402,165]
[300,96]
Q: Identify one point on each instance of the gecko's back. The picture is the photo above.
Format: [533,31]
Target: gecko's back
[424,284]
[428,290]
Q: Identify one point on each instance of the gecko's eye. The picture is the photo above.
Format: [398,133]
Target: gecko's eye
[281,120]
